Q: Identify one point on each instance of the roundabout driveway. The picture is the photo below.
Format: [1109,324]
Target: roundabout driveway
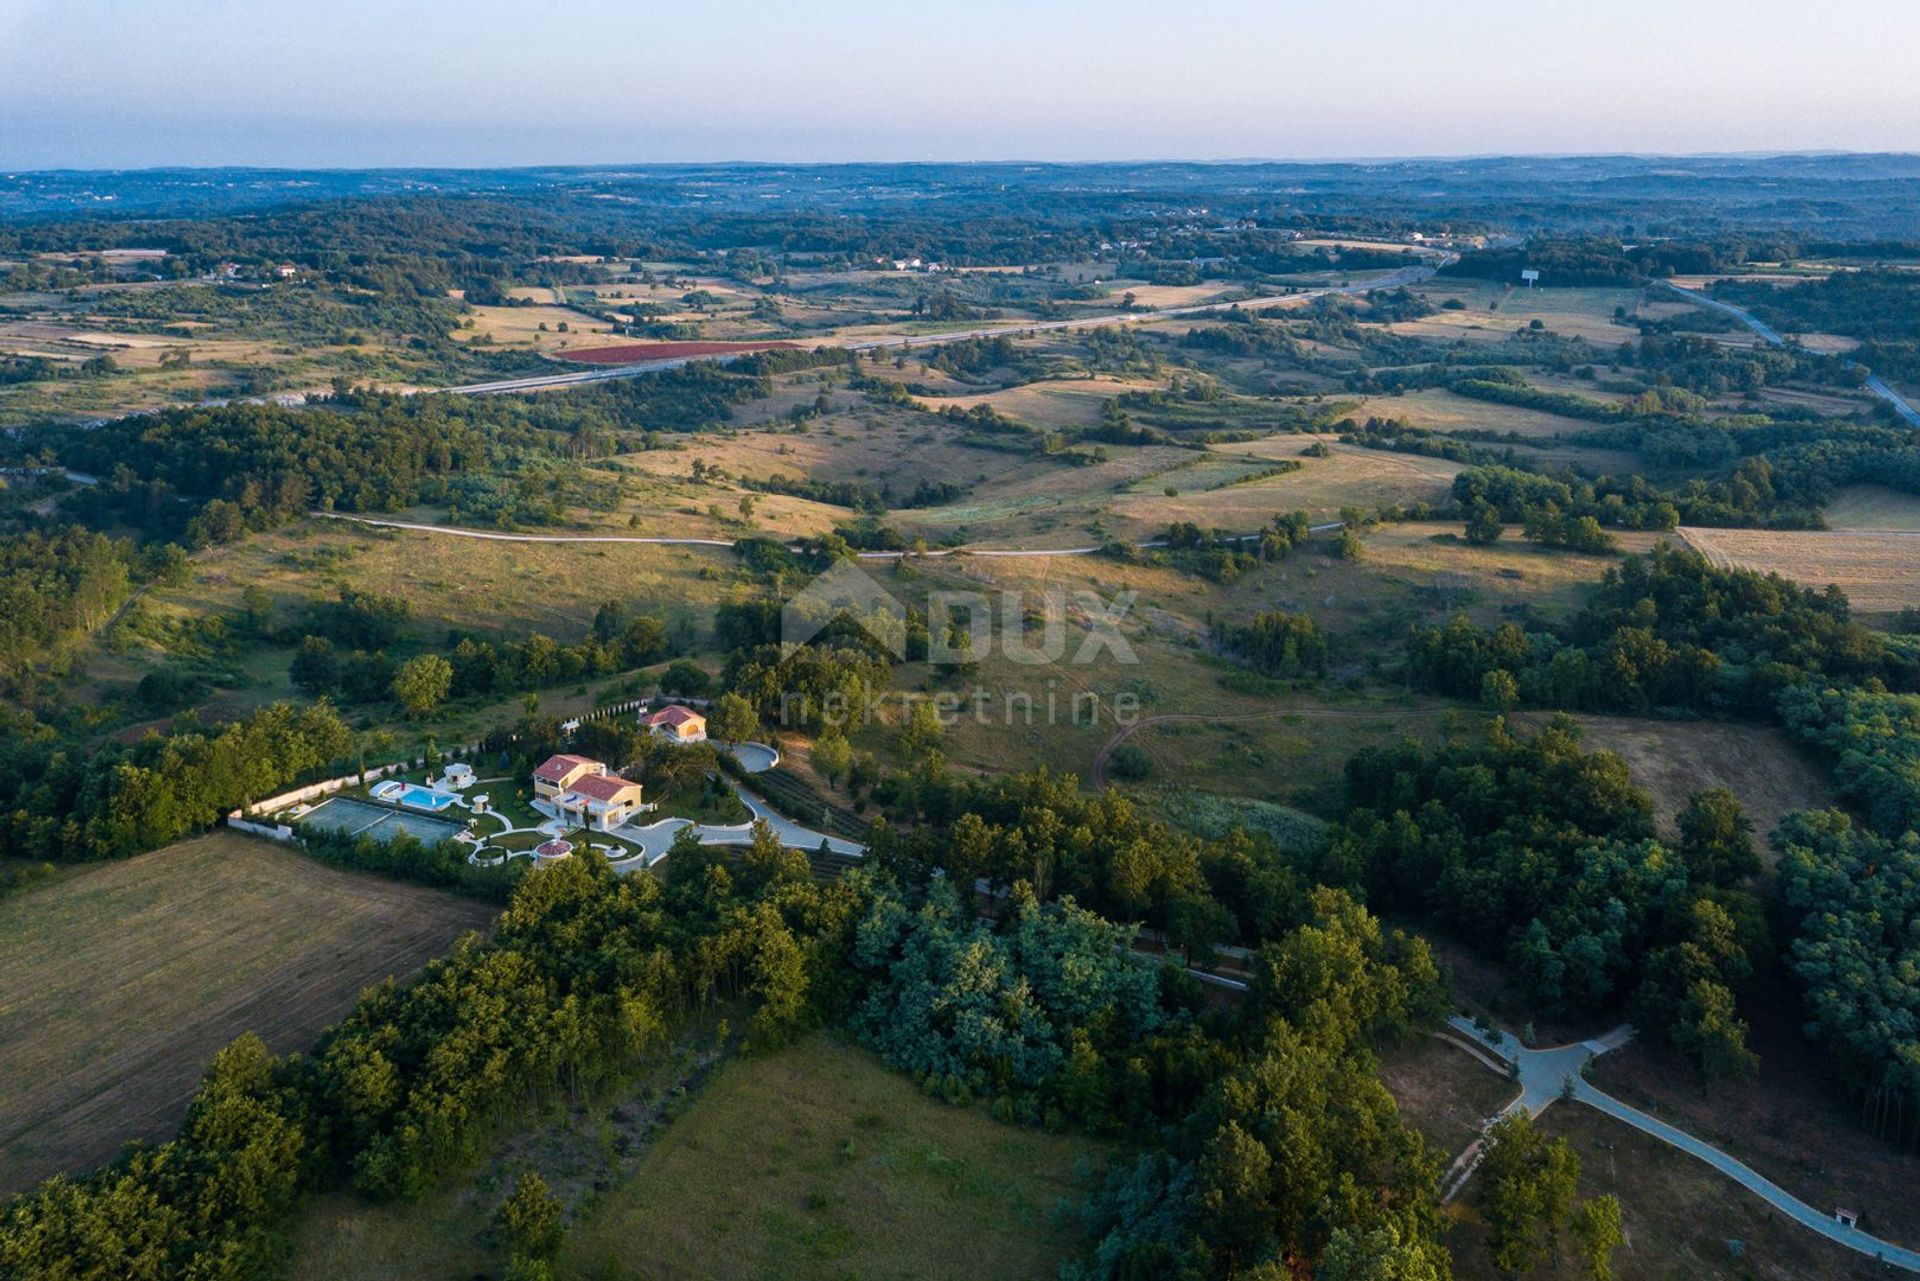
[655,839]
[754,758]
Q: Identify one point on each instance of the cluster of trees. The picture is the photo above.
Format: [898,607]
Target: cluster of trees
[1101,851]
[1277,1141]
[120,799]
[1221,555]
[1282,1148]
[1667,630]
[500,460]
[834,679]
[1535,851]
[1277,643]
[56,583]
[1871,740]
[1599,260]
[1879,307]
[1754,493]
[1851,900]
[321,665]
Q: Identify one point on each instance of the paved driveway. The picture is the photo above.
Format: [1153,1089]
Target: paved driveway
[1543,1077]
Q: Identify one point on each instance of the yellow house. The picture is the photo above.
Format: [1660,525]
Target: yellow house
[557,775]
[600,801]
[680,724]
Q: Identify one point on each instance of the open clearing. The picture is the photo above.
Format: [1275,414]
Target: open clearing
[1060,402]
[1674,759]
[1350,477]
[1879,571]
[1682,1220]
[496,588]
[118,986]
[820,1162]
[1437,409]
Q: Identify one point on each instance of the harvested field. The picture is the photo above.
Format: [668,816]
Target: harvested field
[634,353]
[1879,571]
[1437,409]
[119,985]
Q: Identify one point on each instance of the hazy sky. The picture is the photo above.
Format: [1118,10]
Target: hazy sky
[89,83]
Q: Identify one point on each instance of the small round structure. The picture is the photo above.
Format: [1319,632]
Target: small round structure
[552,851]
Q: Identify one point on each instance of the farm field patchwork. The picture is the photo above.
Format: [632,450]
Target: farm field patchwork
[119,985]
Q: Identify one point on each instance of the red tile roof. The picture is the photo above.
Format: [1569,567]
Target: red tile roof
[675,716]
[602,787]
[555,768]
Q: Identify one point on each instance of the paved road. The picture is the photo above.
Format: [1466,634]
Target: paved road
[1771,337]
[1543,1076]
[542,382]
[455,531]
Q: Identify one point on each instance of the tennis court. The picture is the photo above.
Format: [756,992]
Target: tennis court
[358,818]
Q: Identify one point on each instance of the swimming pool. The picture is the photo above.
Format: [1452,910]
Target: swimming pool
[419,798]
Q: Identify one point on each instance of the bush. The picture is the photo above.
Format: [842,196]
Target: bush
[1130,761]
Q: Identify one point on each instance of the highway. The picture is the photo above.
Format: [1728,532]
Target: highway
[1771,336]
[541,382]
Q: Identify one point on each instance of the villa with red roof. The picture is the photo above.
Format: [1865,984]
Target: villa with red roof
[558,773]
[681,724]
[586,792]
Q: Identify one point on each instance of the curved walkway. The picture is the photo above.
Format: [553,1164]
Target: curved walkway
[1546,1075]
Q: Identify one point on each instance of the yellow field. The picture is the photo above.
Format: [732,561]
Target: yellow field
[520,326]
[117,986]
[1437,409]
[485,586]
[1879,571]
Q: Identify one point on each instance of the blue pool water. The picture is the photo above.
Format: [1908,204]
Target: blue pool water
[419,798]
